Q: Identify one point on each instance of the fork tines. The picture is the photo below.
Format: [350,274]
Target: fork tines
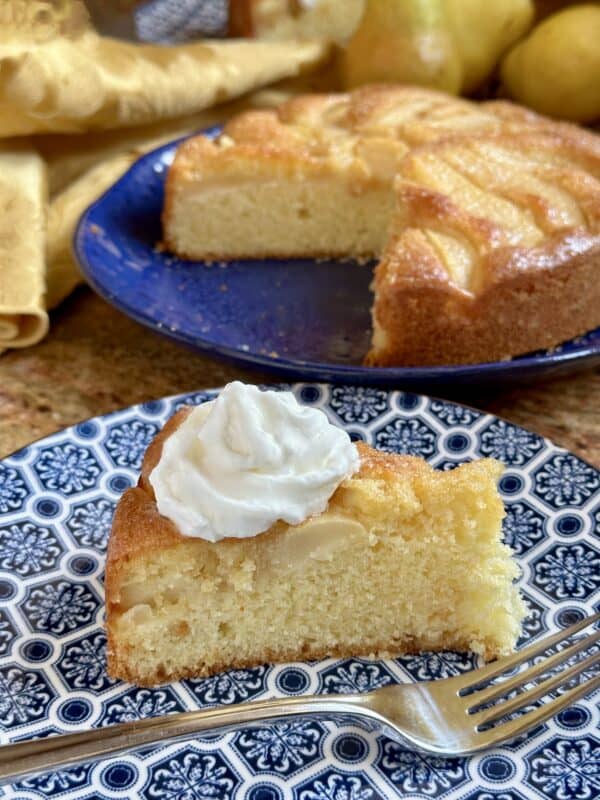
[481,694]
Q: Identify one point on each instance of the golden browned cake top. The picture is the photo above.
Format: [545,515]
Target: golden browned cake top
[366,131]
[412,114]
[476,211]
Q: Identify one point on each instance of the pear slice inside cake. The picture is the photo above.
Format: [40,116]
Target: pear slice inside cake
[404,558]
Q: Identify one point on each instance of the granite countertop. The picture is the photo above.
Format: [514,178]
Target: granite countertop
[96,360]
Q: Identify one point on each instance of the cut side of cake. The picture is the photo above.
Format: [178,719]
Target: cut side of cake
[291,203]
[485,217]
[403,559]
[312,178]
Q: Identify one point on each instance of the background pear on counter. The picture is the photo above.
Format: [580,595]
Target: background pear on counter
[451,45]
[399,40]
[483,31]
[556,69]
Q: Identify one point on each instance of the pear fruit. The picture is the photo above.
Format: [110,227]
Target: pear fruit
[451,45]
[556,69]
[402,40]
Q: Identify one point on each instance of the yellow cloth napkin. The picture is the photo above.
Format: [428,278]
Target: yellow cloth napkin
[23,318]
[63,77]
[37,267]
[91,82]
[62,274]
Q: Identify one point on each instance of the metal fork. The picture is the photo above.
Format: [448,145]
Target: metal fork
[452,717]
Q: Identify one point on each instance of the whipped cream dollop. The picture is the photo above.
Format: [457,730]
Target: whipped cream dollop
[238,464]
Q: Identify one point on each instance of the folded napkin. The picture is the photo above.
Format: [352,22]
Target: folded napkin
[23,318]
[62,275]
[90,82]
[85,107]
[69,155]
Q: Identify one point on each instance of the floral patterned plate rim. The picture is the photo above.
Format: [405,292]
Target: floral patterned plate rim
[56,502]
[250,312]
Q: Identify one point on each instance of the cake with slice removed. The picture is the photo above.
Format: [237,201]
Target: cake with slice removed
[402,558]
[485,217]
[314,177]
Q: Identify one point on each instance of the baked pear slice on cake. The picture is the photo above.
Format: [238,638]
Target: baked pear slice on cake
[494,249]
[312,178]
[401,558]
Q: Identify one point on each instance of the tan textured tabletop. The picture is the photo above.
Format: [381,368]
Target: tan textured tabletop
[96,360]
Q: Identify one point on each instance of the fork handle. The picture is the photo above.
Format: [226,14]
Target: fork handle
[41,755]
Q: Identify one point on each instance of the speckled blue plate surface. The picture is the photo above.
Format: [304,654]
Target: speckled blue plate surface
[56,502]
[294,318]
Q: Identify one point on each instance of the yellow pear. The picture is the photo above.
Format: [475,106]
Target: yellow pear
[556,69]
[483,30]
[402,40]
[451,45]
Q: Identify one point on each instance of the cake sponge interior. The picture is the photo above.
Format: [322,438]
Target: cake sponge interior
[405,559]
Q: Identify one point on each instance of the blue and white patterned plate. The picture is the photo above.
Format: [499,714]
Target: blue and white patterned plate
[56,502]
[251,312]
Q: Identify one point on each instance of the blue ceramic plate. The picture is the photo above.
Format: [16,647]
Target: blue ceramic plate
[56,502]
[295,318]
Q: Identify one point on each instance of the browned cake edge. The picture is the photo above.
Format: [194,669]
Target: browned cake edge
[530,298]
[536,309]
[122,669]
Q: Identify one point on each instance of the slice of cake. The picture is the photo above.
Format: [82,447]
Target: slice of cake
[281,540]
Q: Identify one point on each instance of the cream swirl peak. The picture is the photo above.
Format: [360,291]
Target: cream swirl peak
[239,464]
